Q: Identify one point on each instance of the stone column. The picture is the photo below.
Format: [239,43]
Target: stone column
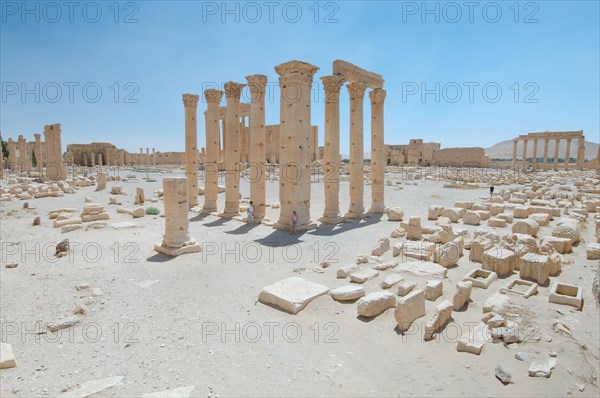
[377,97]
[22,155]
[257,151]
[535,144]
[85,162]
[12,154]
[295,81]
[232,153]
[525,151]
[55,169]
[100,162]
[1,164]
[211,163]
[190,102]
[93,157]
[545,161]
[177,239]
[514,160]
[357,154]
[568,154]
[224,135]
[331,156]
[153,157]
[580,153]
[556,145]
[147,157]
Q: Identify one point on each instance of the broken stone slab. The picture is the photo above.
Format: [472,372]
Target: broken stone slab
[391,280]
[93,387]
[347,293]
[424,269]
[384,266]
[395,214]
[7,356]
[462,295]
[135,213]
[542,368]
[125,225]
[592,251]
[503,373]
[497,303]
[382,246]
[181,392]
[345,271]
[406,287]
[65,222]
[363,276]
[433,290]
[292,294]
[441,316]
[474,340]
[70,228]
[409,308]
[375,303]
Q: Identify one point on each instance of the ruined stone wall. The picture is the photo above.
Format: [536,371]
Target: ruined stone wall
[461,157]
[94,148]
[176,158]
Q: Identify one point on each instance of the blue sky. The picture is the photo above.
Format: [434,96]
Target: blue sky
[543,56]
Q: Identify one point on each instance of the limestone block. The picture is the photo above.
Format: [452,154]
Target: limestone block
[567,229]
[483,215]
[68,221]
[542,219]
[390,281]
[521,212]
[474,339]
[463,204]
[7,356]
[347,293]
[480,278]
[500,260]
[395,214]
[453,213]
[292,294]
[477,247]
[496,199]
[442,314]
[471,218]
[139,196]
[382,246]
[507,217]
[542,368]
[562,293]
[70,228]
[462,296]
[592,251]
[94,217]
[423,269]
[409,308]
[363,276]
[496,222]
[375,303]
[414,229]
[534,267]
[496,209]
[434,212]
[520,287]
[386,265]
[433,290]
[448,254]
[526,226]
[497,303]
[405,287]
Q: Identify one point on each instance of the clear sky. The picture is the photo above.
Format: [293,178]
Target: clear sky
[460,73]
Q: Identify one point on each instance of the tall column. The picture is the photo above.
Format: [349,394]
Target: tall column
[377,97]
[190,102]
[514,159]
[224,135]
[525,151]
[545,161]
[211,163]
[153,157]
[357,154]
[295,81]
[100,163]
[1,164]
[232,154]
[580,153]
[331,155]
[177,239]
[23,168]
[568,154]
[257,147]
[535,144]
[60,166]
[12,154]
[147,157]
[556,145]
[93,157]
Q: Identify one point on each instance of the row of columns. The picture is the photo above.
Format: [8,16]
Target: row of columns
[580,152]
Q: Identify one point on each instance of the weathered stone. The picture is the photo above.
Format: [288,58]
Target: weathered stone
[423,269]
[526,226]
[409,308]
[181,392]
[503,373]
[292,294]
[391,280]
[592,251]
[462,296]
[375,303]
[395,214]
[93,387]
[481,278]
[405,288]
[471,218]
[63,324]
[347,293]
[7,356]
[474,339]
[534,267]
[345,271]
[497,303]
[499,260]
[442,314]
[433,290]
[562,293]
[542,368]
[382,246]
[363,276]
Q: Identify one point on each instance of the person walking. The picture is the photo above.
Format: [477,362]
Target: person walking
[491,190]
[294,221]
[250,218]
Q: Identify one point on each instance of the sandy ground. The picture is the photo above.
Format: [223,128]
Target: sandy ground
[194,320]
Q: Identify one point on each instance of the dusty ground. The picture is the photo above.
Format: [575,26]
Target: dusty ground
[194,320]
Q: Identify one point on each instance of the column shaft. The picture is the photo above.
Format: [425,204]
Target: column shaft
[568,154]
[357,154]
[258,132]
[232,153]
[190,102]
[211,163]
[556,153]
[377,97]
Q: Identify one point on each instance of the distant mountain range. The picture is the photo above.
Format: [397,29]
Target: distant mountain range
[504,149]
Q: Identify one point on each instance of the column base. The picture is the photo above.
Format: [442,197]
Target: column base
[189,247]
[355,215]
[377,208]
[196,209]
[209,210]
[332,220]
[299,228]
[230,215]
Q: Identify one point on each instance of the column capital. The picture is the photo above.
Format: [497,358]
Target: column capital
[356,90]
[190,100]
[377,95]
[21,138]
[213,96]
[233,90]
[257,82]
[293,67]
[332,83]
[569,140]
[37,136]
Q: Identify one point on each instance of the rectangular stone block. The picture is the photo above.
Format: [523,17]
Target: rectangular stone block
[499,260]
[363,276]
[409,308]
[534,267]
[292,294]
[375,303]
[433,290]
[442,314]
[462,295]
[562,293]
